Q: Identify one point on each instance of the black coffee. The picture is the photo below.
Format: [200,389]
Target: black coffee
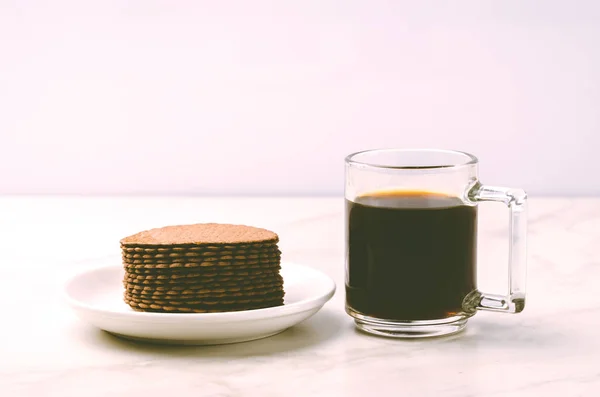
[411,255]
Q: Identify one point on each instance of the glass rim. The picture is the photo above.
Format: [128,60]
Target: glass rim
[469,159]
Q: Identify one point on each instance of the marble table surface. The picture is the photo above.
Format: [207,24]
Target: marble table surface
[551,349]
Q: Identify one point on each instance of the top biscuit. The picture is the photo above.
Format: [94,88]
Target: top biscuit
[201,234]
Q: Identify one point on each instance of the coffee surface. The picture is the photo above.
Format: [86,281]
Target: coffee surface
[410,255]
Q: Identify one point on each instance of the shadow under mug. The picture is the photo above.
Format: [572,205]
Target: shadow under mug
[411,242]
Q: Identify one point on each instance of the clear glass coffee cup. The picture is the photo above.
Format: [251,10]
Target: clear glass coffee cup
[411,242]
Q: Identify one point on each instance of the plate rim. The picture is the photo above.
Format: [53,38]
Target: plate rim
[244,315]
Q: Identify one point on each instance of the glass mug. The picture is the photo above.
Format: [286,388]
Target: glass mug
[411,242]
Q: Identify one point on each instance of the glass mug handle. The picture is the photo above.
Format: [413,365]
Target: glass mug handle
[516,201]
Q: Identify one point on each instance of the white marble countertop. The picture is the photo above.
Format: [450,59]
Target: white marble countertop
[551,349]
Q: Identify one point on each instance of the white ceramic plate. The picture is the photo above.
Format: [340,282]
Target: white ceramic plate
[96,295]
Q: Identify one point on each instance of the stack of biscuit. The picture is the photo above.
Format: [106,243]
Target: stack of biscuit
[202,268]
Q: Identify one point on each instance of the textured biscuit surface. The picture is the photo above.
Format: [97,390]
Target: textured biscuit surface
[199,309]
[202,268]
[201,234]
[267,295]
[217,286]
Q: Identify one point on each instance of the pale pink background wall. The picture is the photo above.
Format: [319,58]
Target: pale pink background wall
[251,97]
